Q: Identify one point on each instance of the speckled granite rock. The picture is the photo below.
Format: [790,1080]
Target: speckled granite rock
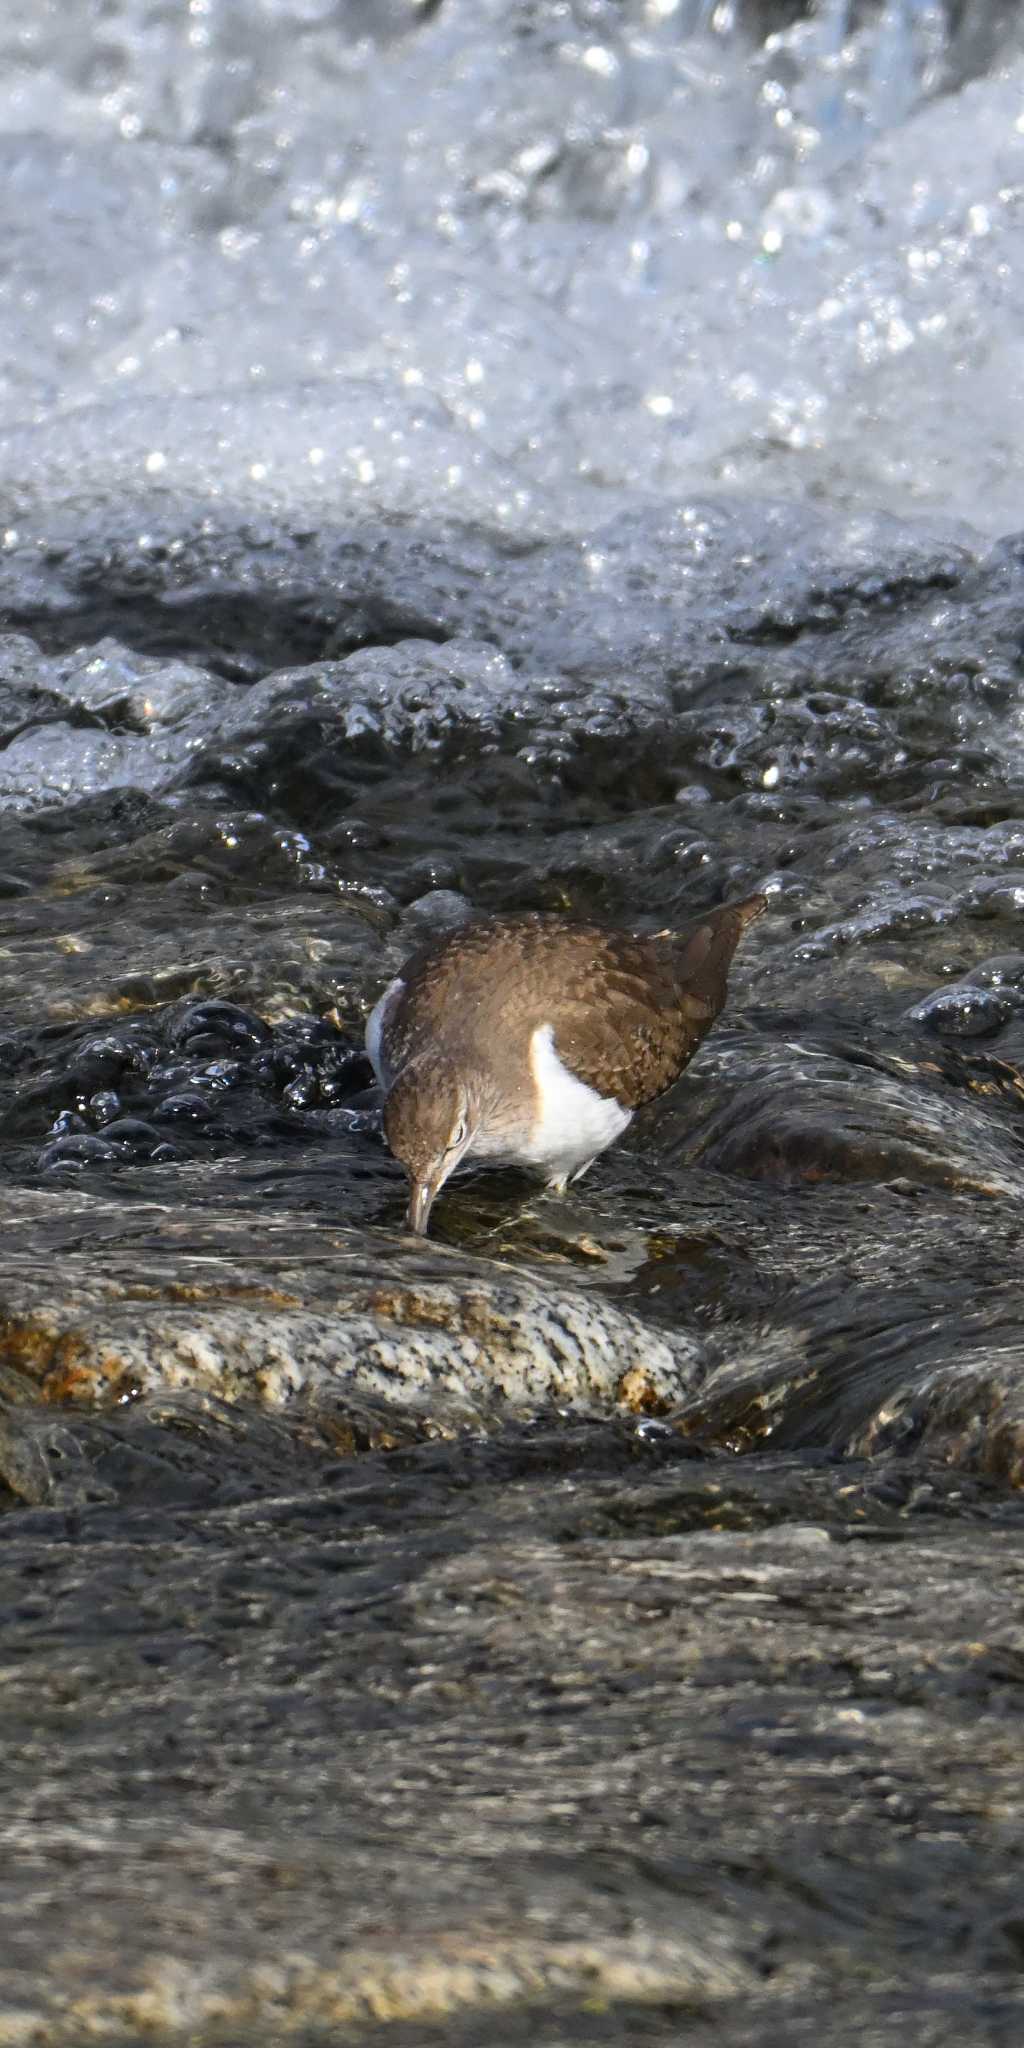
[311,1324]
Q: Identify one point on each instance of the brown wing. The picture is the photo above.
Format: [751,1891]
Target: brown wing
[628,1012]
[630,1049]
[636,1009]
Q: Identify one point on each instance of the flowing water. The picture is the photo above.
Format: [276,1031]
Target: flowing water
[551,455]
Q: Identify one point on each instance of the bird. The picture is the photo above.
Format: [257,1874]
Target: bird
[531,1040]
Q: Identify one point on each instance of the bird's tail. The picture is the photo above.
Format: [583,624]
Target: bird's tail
[704,951]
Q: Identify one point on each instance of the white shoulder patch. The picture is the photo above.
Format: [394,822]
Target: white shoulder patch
[574,1123]
[376,1024]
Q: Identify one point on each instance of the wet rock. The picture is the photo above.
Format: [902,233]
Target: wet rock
[428,1603]
[964,1012]
[478,1344]
[846,1377]
[207,1028]
[133,1135]
[822,1119]
[1005,971]
[307,734]
[76,1150]
[438,911]
[185,1107]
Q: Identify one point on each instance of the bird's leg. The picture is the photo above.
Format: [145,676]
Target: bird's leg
[561,1181]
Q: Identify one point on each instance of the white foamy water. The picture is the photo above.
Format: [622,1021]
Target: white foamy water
[512,264]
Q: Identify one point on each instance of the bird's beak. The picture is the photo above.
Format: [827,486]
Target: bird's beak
[421,1201]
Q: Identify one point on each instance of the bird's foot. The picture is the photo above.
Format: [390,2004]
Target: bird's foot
[558,1184]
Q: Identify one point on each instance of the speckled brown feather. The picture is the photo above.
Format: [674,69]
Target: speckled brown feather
[628,1012]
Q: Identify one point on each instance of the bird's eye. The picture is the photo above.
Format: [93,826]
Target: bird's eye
[458,1135]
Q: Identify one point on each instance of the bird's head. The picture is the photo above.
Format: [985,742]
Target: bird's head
[431,1117]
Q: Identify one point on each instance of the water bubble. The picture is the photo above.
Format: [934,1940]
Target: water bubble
[188,1107]
[76,1149]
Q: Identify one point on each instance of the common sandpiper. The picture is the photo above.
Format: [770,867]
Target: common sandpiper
[532,1040]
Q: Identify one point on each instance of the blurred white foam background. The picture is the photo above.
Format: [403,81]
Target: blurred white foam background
[499,260]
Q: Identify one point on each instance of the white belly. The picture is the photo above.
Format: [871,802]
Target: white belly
[574,1122]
